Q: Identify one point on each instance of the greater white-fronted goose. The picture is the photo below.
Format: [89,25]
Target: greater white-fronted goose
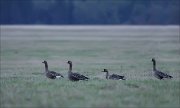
[75,76]
[51,74]
[158,74]
[113,76]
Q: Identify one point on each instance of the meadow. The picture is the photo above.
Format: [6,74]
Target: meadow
[124,50]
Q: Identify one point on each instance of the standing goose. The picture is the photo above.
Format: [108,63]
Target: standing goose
[113,76]
[51,74]
[75,76]
[158,74]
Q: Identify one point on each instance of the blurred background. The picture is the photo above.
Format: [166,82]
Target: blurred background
[138,12]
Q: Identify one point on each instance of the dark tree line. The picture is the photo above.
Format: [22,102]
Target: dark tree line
[90,12]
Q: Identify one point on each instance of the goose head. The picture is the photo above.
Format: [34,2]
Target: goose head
[44,62]
[153,59]
[105,70]
[69,62]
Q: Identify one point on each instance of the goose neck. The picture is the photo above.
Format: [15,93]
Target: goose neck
[107,75]
[70,68]
[46,67]
[154,65]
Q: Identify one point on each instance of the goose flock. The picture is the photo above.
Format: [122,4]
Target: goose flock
[74,76]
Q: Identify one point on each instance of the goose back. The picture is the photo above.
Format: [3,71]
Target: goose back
[77,77]
[116,77]
[160,75]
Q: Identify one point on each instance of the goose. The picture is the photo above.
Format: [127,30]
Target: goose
[51,74]
[158,74]
[75,76]
[113,76]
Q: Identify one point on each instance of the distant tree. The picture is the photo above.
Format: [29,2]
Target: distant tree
[26,10]
[139,14]
[89,11]
[70,7]
[16,11]
[125,9]
[11,12]
[172,10]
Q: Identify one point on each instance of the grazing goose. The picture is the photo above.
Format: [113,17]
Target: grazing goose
[51,74]
[113,76]
[158,74]
[75,76]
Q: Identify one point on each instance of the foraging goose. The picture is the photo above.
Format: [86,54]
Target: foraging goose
[113,76]
[75,76]
[158,74]
[51,74]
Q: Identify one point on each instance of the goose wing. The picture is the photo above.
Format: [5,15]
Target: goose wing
[163,75]
[115,76]
[157,75]
[50,75]
[55,74]
[118,76]
[79,76]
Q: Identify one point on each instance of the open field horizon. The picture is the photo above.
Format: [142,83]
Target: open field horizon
[124,50]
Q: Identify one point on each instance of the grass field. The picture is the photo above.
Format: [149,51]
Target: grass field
[125,50]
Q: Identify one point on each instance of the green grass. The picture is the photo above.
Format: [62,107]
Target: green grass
[23,83]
